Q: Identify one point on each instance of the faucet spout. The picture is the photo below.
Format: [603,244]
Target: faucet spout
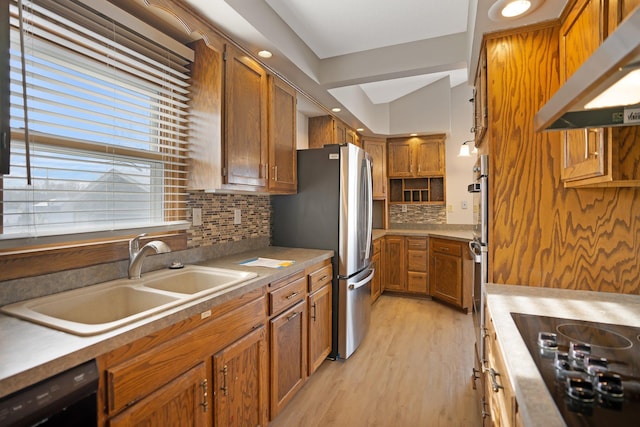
[137,254]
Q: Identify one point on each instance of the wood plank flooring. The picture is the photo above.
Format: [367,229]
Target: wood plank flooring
[413,369]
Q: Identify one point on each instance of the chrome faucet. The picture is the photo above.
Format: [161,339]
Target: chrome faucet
[137,254]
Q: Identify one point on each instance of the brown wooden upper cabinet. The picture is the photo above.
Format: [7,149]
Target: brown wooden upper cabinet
[419,156]
[245,124]
[377,149]
[325,130]
[282,137]
[604,156]
[480,110]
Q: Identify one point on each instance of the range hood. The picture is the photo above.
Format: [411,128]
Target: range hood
[617,57]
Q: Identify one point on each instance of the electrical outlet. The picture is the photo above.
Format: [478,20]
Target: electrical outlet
[464,204]
[404,208]
[196,217]
[450,208]
[237,216]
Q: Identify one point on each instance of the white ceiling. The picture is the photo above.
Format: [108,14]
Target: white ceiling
[337,50]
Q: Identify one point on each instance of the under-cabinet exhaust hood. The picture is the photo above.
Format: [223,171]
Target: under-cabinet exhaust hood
[587,99]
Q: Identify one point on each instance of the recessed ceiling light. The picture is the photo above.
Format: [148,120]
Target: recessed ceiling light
[413,134]
[336,109]
[360,129]
[265,54]
[508,9]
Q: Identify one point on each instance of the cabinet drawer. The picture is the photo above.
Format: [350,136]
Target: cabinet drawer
[449,248]
[416,243]
[417,260]
[287,295]
[320,278]
[417,282]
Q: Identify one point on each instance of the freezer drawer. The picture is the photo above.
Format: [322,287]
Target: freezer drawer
[355,311]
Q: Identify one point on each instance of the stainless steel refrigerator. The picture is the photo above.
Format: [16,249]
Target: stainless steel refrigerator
[333,210]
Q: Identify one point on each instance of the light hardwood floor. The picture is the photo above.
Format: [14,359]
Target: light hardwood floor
[413,369]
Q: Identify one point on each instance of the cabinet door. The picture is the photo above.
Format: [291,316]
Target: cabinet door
[446,278]
[245,153]
[378,152]
[429,157]
[239,384]
[182,402]
[395,264]
[580,35]
[282,137]
[319,327]
[341,135]
[376,282]
[619,10]
[288,333]
[400,157]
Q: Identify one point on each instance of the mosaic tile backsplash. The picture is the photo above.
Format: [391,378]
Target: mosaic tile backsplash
[418,214]
[218,214]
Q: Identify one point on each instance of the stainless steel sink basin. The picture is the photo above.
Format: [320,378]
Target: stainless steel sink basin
[99,308]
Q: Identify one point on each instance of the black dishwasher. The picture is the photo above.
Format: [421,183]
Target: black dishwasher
[67,399]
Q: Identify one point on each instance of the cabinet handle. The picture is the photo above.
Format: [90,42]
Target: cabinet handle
[204,403]
[293,294]
[275,173]
[224,388]
[494,382]
[314,311]
[475,375]
[291,316]
[323,277]
[485,413]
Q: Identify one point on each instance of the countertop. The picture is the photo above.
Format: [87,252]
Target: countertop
[535,402]
[454,234]
[30,353]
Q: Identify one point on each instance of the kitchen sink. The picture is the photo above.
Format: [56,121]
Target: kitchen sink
[99,308]
[197,280]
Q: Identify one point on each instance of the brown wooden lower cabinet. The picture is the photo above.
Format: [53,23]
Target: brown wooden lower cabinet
[172,377]
[376,265]
[182,401]
[240,373]
[499,394]
[406,265]
[319,326]
[223,367]
[451,272]
[288,355]
[395,277]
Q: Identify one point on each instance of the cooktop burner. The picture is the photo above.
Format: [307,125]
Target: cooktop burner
[592,370]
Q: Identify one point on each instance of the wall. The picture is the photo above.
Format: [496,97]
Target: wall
[543,234]
[460,169]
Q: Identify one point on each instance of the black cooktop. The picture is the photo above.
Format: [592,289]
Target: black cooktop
[591,369]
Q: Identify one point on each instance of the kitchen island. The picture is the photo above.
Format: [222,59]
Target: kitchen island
[535,404]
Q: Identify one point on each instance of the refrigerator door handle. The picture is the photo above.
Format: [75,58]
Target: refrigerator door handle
[363,281]
[369,179]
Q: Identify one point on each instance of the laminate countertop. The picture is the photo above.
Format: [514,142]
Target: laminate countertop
[445,233]
[536,404]
[30,353]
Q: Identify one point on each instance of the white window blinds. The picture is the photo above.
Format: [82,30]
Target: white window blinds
[107,122]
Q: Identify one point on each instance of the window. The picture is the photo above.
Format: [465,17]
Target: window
[106,122]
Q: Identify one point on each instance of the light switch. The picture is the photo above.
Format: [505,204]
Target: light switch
[464,204]
[196,215]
